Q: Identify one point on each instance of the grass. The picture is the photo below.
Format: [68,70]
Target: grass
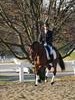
[5,83]
[67,78]
[71,57]
[4,80]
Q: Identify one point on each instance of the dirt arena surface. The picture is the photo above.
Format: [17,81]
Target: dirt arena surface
[62,89]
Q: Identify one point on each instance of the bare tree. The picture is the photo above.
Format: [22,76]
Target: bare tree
[22,19]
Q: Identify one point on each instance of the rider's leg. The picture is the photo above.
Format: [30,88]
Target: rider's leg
[50,51]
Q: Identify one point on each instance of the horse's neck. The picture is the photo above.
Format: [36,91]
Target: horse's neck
[41,50]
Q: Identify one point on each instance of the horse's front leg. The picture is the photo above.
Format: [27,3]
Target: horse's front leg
[36,75]
[46,74]
[36,79]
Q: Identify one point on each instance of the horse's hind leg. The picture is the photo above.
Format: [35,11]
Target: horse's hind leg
[54,74]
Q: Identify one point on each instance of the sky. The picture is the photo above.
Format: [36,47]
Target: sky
[45,3]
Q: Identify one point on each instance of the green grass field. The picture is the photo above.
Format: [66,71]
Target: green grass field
[71,57]
[5,83]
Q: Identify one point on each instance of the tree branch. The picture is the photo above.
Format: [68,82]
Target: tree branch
[69,53]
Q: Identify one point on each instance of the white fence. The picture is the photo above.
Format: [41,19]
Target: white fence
[70,66]
[16,66]
[12,68]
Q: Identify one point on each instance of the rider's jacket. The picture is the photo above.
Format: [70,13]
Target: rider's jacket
[48,37]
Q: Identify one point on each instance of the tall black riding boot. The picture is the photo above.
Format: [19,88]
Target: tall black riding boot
[51,56]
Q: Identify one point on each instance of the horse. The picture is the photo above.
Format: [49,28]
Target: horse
[39,58]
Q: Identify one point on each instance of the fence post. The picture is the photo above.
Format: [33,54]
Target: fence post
[73,65]
[21,73]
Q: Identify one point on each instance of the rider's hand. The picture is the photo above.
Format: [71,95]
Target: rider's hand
[45,44]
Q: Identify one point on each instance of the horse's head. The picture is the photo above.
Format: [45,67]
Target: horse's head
[34,50]
[36,55]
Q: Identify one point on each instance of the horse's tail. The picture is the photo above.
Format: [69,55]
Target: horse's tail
[61,62]
[60,59]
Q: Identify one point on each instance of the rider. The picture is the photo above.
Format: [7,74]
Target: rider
[46,38]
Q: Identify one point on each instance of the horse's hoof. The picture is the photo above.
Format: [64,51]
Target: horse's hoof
[46,81]
[39,81]
[52,83]
[35,84]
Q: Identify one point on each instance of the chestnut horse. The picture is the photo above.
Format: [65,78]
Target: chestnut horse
[39,57]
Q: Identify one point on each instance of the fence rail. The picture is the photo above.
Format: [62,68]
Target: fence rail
[4,67]
[70,65]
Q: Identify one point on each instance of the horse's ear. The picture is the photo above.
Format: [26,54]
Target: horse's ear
[29,47]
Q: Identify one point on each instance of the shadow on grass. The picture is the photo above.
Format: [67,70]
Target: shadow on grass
[8,78]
